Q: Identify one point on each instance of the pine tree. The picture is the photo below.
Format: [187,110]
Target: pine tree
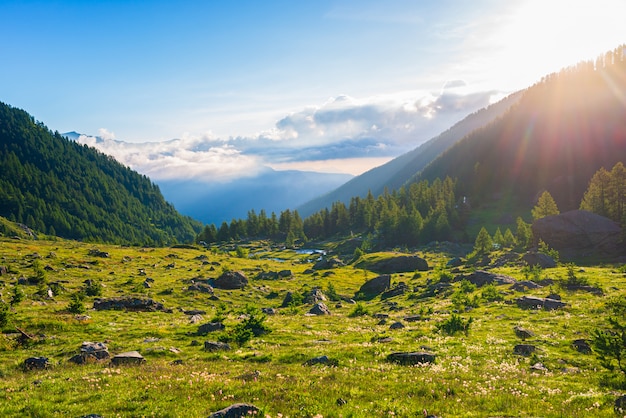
[483,243]
[546,206]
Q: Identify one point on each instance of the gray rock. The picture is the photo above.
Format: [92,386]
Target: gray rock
[396,325]
[539,259]
[323,360]
[582,346]
[210,327]
[128,304]
[36,363]
[523,333]
[620,405]
[200,287]
[129,357]
[411,358]
[315,296]
[524,349]
[398,290]
[375,286]
[231,280]
[481,278]
[400,264]
[319,309]
[238,410]
[328,263]
[91,352]
[532,302]
[523,285]
[216,346]
[579,233]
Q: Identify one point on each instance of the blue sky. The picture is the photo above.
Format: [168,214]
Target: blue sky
[284,84]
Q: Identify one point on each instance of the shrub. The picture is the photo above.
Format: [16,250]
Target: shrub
[332,293]
[251,326]
[550,252]
[573,280]
[18,295]
[93,288]
[610,342]
[532,273]
[467,286]
[359,310]
[76,305]
[490,293]
[242,252]
[5,314]
[454,324]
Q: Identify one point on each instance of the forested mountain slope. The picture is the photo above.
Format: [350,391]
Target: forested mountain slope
[398,171]
[555,138]
[59,187]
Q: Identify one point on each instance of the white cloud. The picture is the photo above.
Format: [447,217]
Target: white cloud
[344,134]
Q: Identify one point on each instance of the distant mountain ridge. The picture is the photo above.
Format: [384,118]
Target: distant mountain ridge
[59,187]
[400,170]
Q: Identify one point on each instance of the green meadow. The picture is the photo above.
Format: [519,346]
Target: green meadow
[475,373]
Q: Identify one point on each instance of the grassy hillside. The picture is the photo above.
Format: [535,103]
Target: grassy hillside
[474,374]
[555,138]
[58,187]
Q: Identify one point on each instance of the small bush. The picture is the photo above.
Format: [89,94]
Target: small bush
[467,286]
[359,310]
[491,294]
[251,326]
[5,315]
[331,293]
[76,305]
[454,324]
[18,295]
[93,288]
[573,280]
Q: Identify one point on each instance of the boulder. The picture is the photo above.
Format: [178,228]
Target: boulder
[91,352]
[538,259]
[620,405]
[129,357]
[400,289]
[319,309]
[237,410]
[523,333]
[323,360]
[582,346]
[399,264]
[315,296]
[287,300]
[523,285]
[532,302]
[524,349]
[396,325]
[376,286]
[200,287]
[328,263]
[128,304]
[480,278]
[579,233]
[216,346]
[411,358]
[231,280]
[36,363]
[210,327]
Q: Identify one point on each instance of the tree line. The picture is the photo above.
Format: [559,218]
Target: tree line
[414,214]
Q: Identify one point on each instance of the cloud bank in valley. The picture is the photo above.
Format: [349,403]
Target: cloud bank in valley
[342,135]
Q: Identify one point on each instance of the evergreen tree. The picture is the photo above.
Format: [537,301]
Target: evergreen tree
[483,243]
[523,234]
[546,206]
[498,238]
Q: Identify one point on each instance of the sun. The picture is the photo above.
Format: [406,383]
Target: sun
[537,37]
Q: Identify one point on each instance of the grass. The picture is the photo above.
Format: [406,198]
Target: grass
[474,375]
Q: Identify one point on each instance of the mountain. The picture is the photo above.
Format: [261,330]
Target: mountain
[272,191]
[398,171]
[59,187]
[560,132]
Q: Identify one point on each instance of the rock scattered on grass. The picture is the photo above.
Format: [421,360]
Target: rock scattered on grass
[411,358]
[237,410]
